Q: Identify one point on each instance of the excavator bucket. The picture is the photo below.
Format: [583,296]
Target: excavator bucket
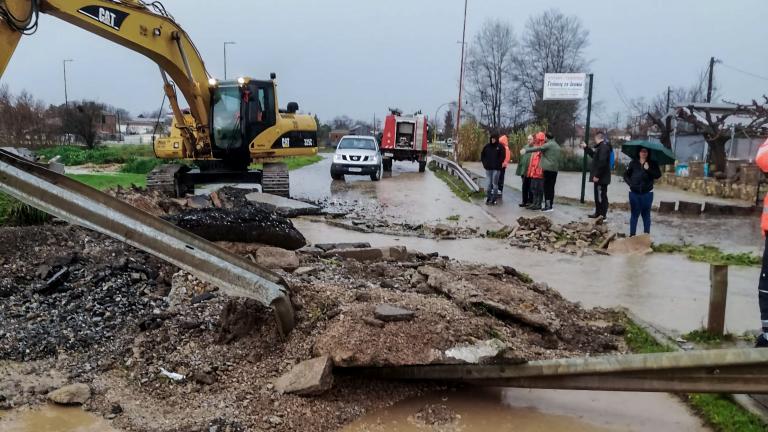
[79,204]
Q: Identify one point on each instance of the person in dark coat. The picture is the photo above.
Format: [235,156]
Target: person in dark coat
[600,173]
[640,175]
[492,157]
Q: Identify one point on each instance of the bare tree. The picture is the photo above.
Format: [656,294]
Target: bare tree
[489,72]
[717,133]
[551,43]
[82,119]
[654,114]
[448,125]
[342,122]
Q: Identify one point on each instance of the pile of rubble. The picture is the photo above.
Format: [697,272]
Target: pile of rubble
[575,238]
[161,351]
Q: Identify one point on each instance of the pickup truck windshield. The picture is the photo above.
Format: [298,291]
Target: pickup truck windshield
[356,144]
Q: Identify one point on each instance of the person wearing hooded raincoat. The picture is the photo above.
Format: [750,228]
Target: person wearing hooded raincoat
[505,143]
[536,174]
[762,287]
[550,163]
[492,157]
[522,171]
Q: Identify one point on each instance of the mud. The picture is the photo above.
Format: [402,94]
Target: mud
[497,410]
[51,418]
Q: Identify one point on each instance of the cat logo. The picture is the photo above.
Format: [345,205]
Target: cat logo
[286,142]
[110,17]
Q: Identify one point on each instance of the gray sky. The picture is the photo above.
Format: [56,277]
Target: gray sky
[358,57]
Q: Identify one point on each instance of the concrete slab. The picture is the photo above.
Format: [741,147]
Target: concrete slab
[283,206]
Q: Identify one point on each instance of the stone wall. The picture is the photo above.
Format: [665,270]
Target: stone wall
[717,188]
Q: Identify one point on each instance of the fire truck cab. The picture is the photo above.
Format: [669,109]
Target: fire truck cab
[404,139]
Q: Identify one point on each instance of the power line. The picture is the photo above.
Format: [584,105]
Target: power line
[744,72]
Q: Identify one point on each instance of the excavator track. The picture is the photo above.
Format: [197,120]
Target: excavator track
[165,180]
[275,179]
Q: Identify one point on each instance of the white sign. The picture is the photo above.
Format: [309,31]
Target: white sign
[564,86]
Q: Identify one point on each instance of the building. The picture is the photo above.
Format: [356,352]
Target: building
[335,136]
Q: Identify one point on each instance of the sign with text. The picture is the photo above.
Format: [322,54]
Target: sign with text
[564,86]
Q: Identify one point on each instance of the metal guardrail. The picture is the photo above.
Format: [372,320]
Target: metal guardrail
[709,371]
[455,170]
[79,204]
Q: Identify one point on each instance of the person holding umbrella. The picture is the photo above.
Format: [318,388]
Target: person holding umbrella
[640,175]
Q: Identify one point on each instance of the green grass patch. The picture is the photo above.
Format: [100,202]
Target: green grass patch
[457,186]
[296,162]
[723,414]
[710,254]
[640,341]
[719,411]
[15,212]
[701,336]
[76,155]
[111,181]
[453,218]
[141,165]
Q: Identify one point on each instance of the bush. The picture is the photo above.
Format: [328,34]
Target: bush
[75,155]
[141,165]
[572,162]
[472,138]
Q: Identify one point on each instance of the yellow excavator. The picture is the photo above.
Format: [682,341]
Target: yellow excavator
[228,126]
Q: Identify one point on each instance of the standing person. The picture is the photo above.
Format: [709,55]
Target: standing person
[522,171]
[536,174]
[640,175]
[600,173]
[762,287]
[550,164]
[492,158]
[502,174]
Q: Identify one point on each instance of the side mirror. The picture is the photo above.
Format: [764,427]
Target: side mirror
[293,107]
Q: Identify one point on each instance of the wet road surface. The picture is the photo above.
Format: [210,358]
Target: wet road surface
[51,418]
[519,410]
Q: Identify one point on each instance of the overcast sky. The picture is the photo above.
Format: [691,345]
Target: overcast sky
[358,57]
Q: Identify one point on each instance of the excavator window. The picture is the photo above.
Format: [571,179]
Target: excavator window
[226,118]
[261,108]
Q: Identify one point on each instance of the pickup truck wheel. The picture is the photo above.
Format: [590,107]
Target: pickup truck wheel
[336,176]
[422,166]
[377,175]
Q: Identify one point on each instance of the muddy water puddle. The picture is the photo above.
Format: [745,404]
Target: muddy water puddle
[500,410]
[50,418]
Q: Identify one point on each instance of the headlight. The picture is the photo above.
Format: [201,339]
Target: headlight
[375,158]
[337,158]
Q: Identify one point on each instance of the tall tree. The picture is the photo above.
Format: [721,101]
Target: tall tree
[489,72]
[448,127]
[82,119]
[551,43]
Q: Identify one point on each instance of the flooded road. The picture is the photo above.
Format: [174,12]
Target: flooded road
[518,410]
[669,291]
[51,418]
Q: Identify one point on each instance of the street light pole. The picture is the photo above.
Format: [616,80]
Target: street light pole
[225,57]
[434,133]
[66,96]
[461,85]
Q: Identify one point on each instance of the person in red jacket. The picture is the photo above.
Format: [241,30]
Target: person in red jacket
[762,287]
[505,143]
[536,173]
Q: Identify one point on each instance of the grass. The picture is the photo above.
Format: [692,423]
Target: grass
[720,412]
[76,155]
[109,181]
[296,162]
[453,218]
[457,186]
[141,165]
[703,337]
[710,254]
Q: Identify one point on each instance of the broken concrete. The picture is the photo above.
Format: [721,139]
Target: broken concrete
[370,254]
[75,394]
[689,208]
[478,353]
[276,258]
[325,247]
[308,378]
[637,245]
[283,206]
[391,313]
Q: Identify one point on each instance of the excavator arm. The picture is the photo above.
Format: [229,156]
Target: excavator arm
[144,27]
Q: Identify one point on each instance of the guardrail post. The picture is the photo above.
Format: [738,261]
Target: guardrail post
[718,277]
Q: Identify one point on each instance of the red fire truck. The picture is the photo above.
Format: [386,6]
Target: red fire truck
[404,139]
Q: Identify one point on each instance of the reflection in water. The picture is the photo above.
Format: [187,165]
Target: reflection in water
[51,418]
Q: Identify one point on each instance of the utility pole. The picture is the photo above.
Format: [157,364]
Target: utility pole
[712,62]
[461,86]
[66,96]
[586,138]
[225,57]
[669,94]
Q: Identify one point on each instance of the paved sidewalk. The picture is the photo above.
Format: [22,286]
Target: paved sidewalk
[569,186]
